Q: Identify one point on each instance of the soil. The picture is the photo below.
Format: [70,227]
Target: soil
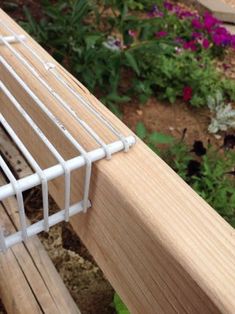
[172,120]
[15,8]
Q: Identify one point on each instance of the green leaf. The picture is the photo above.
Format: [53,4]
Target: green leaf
[91,40]
[141,130]
[119,305]
[132,62]
[160,138]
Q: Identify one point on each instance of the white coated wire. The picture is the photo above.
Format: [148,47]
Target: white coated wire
[3,246]
[45,140]
[12,39]
[59,125]
[16,187]
[88,129]
[19,197]
[35,166]
[85,103]
[57,170]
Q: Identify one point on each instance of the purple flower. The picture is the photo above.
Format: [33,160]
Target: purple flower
[161,34]
[210,21]
[226,66]
[197,24]
[179,40]
[177,10]
[132,33]
[155,12]
[221,36]
[205,43]
[196,35]
[190,45]
[233,41]
[167,5]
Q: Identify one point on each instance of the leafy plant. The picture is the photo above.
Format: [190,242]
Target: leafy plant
[208,171]
[224,115]
[165,73]
[215,183]
[119,305]
[117,54]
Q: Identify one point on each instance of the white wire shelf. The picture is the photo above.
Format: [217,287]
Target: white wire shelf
[11,41]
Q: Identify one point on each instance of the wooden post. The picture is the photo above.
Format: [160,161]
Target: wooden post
[162,247]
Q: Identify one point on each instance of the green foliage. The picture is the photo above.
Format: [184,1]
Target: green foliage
[213,180]
[93,40]
[166,72]
[119,305]
[215,184]
[154,138]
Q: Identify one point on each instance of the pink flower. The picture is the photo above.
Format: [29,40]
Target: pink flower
[226,66]
[233,41]
[196,35]
[179,40]
[161,34]
[205,43]
[221,36]
[210,21]
[187,93]
[169,6]
[132,33]
[190,45]
[197,24]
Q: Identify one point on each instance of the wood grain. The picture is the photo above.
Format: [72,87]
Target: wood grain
[162,247]
[29,282]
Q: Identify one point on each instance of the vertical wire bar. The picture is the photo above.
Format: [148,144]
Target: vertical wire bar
[19,197]
[36,168]
[2,240]
[57,170]
[86,104]
[58,124]
[49,145]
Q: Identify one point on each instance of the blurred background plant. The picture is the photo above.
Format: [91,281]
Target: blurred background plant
[121,49]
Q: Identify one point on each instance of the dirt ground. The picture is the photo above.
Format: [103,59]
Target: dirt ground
[85,281]
[172,120]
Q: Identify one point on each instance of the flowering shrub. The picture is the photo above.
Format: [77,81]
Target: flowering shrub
[166,51]
[174,51]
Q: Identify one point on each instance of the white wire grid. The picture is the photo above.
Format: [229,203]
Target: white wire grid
[64,167]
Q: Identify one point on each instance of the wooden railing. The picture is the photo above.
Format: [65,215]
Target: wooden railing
[162,247]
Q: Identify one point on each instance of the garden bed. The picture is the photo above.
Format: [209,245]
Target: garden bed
[179,115]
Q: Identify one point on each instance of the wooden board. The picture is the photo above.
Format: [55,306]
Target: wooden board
[35,286]
[162,247]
